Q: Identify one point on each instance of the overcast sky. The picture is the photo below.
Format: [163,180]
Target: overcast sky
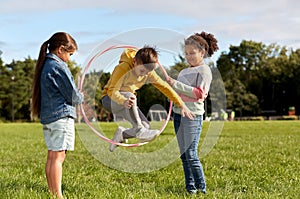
[24,25]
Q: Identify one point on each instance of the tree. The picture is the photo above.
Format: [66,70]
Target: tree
[262,74]
[148,95]
[241,72]
[16,90]
[4,88]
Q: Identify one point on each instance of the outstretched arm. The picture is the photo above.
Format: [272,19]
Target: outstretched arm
[198,93]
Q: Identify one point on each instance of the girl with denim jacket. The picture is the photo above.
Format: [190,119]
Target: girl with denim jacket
[53,101]
[192,85]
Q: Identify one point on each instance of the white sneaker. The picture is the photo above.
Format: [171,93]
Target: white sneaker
[147,135]
[118,137]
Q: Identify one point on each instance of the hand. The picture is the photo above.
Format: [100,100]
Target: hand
[129,102]
[170,81]
[82,93]
[185,112]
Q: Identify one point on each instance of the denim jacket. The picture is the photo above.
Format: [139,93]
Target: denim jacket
[59,94]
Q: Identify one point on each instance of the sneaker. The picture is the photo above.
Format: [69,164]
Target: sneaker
[202,190]
[147,135]
[118,137]
[192,192]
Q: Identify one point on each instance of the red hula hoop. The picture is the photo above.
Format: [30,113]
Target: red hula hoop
[82,109]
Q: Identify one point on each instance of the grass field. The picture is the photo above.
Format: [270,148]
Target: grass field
[250,160]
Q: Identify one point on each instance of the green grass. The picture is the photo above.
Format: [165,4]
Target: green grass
[250,160]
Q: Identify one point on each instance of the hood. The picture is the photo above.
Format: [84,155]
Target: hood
[127,56]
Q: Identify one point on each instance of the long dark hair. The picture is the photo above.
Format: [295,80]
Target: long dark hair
[55,41]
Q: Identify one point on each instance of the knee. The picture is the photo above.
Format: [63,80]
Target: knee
[62,156]
[191,155]
[128,94]
[57,156]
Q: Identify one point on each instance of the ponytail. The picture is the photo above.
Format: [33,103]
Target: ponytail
[36,89]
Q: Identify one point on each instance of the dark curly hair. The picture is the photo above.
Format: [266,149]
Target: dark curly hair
[205,41]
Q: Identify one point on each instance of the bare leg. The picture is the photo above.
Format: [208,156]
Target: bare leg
[48,166]
[54,171]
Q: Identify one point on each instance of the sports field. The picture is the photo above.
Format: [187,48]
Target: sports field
[249,160]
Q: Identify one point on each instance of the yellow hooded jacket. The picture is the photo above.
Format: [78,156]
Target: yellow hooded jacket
[124,79]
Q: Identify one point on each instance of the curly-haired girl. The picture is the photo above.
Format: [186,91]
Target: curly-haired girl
[192,85]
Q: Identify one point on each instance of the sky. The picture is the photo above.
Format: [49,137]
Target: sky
[25,25]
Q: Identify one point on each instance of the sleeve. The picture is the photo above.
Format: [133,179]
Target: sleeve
[66,85]
[116,81]
[199,92]
[165,88]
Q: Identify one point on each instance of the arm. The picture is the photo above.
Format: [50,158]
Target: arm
[115,83]
[170,93]
[66,85]
[191,93]
[198,93]
[165,88]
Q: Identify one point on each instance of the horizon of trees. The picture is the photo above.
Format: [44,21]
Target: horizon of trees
[259,79]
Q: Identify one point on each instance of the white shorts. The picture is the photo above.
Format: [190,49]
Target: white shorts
[60,135]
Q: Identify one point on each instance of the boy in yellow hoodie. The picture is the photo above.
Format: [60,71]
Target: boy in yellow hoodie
[135,68]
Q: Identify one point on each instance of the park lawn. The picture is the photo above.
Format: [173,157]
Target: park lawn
[250,160]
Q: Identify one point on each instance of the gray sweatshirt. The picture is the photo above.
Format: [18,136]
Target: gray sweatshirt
[192,85]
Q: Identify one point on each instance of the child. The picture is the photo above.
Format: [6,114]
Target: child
[53,100]
[193,85]
[135,68]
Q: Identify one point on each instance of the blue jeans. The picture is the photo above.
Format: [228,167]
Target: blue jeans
[188,134]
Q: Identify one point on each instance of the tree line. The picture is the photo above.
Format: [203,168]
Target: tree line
[259,79]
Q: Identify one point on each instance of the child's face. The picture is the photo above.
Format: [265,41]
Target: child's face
[63,54]
[140,70]
[193,55]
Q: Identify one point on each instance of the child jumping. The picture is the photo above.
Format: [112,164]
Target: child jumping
[135,68]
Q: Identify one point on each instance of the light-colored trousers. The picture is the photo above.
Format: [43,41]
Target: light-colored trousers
[133,115]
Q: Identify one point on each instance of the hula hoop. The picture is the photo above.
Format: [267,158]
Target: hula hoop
[82,109]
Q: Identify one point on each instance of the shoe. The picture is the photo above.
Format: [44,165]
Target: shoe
[147,135]
[192,192]
[118,137]
[202,190]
